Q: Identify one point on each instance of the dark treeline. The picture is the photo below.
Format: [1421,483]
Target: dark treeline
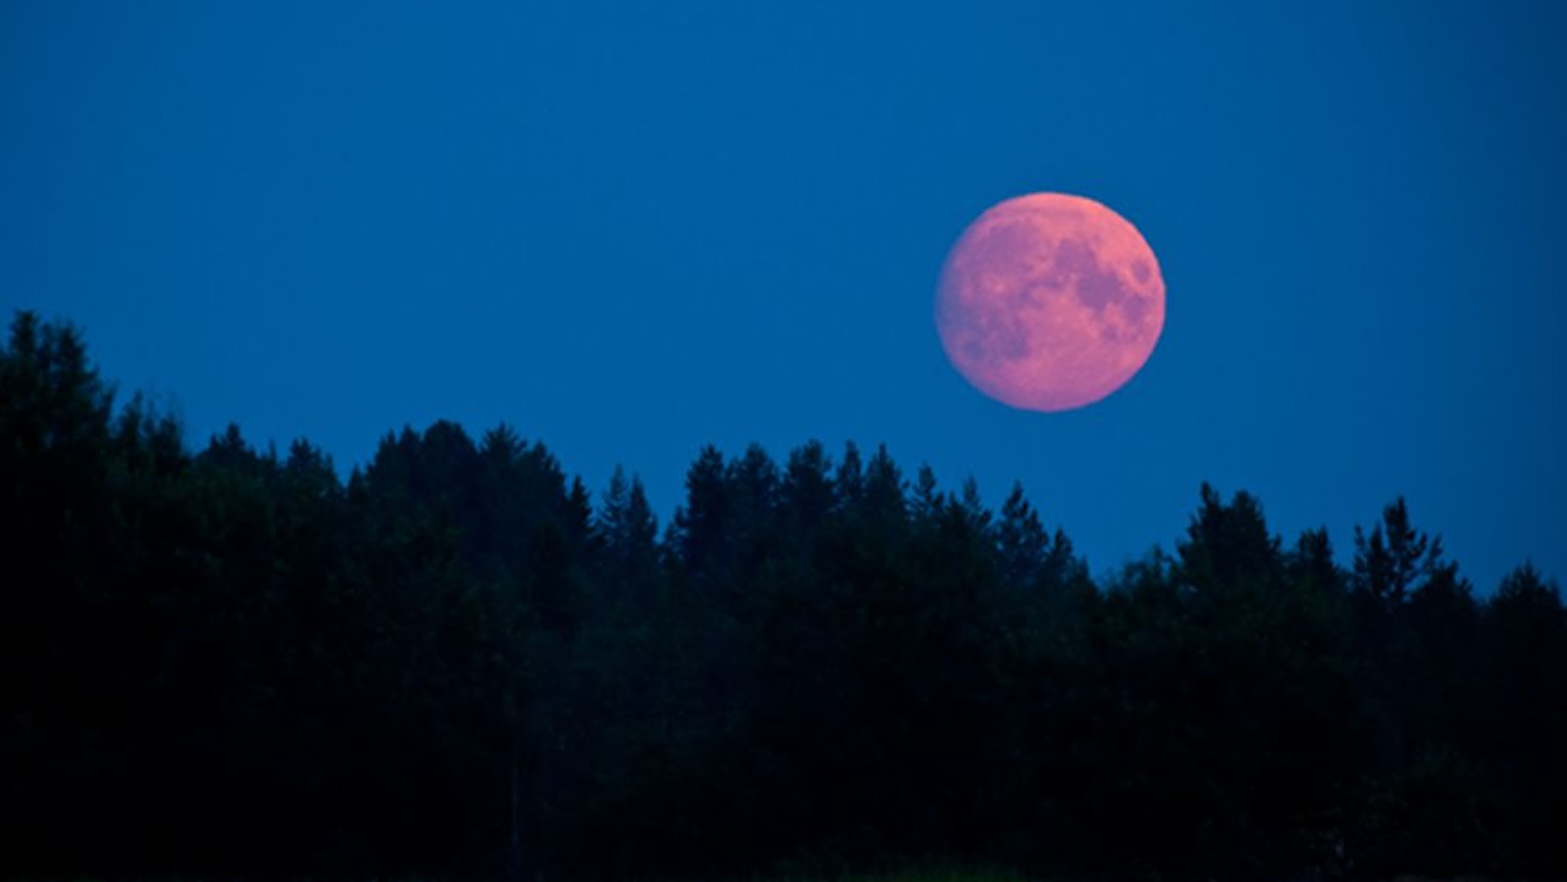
[460,661]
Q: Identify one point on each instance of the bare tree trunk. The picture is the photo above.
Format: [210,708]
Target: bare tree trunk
[514,824]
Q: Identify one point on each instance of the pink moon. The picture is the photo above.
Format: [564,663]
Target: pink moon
[1049,302]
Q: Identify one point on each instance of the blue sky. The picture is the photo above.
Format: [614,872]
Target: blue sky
[630,229]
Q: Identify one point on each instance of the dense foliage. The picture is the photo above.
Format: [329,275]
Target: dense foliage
[461,661]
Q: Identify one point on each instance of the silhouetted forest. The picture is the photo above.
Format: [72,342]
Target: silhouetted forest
[461,661]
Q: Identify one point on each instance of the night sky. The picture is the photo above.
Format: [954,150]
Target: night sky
[632,229]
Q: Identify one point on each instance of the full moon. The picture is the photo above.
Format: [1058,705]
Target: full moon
[1049,302]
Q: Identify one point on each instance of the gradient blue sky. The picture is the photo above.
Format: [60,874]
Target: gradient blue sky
[630,229]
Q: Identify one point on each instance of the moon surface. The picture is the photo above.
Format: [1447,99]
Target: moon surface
[1049,302]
